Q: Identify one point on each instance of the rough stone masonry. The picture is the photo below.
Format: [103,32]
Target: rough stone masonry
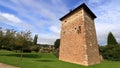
[78,37]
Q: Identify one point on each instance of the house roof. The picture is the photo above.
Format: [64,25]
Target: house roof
[79,7]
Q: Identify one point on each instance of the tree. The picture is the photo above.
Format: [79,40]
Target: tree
[57,43]
[1,38]
[35,39]
[8,39]
[23,41]
[12,40]
[111,39]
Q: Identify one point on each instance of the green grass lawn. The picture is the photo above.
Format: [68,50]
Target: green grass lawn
[38,60]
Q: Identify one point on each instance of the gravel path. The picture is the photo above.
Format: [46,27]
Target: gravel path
[6,66]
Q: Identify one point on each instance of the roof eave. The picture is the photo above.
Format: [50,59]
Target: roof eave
[84,7]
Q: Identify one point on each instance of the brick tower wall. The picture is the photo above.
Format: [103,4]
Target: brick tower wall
[78,39]
[92,46]
[73,41]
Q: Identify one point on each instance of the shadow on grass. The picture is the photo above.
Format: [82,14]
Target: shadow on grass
[45,60]
[24,55]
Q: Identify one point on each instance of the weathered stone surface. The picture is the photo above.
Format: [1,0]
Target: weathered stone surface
[78,39]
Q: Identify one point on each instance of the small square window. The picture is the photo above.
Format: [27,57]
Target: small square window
[65,21]
[75,28]
[64,32]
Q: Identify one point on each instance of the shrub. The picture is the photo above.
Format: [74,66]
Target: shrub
[110,52]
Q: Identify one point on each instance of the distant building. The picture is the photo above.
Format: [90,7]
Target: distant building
[78,37]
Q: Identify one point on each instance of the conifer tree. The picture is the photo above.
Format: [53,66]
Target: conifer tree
[35,39]
[57,43]
[111,39]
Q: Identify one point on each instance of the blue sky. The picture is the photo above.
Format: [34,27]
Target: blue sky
[42,17]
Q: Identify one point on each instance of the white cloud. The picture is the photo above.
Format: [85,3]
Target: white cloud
[104,28]
[46,41]
[47,38]
[55,29]
[10,17]
[107,20]
[41,15]
[13,20]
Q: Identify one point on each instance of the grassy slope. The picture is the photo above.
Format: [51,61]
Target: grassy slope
[35,60]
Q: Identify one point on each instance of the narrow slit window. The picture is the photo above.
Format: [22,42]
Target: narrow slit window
[79,29]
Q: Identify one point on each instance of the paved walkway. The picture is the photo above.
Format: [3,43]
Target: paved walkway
[6,66]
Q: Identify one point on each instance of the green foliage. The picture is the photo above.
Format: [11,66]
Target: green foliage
[56,53]
[8,39]
[40,60]
[12,40]
[57,43]
[102,49]
[35,39]
[110,52]
[35,48]
[23,40]
[111,39]
[1,38]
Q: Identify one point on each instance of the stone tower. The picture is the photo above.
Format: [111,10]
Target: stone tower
[78,37]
